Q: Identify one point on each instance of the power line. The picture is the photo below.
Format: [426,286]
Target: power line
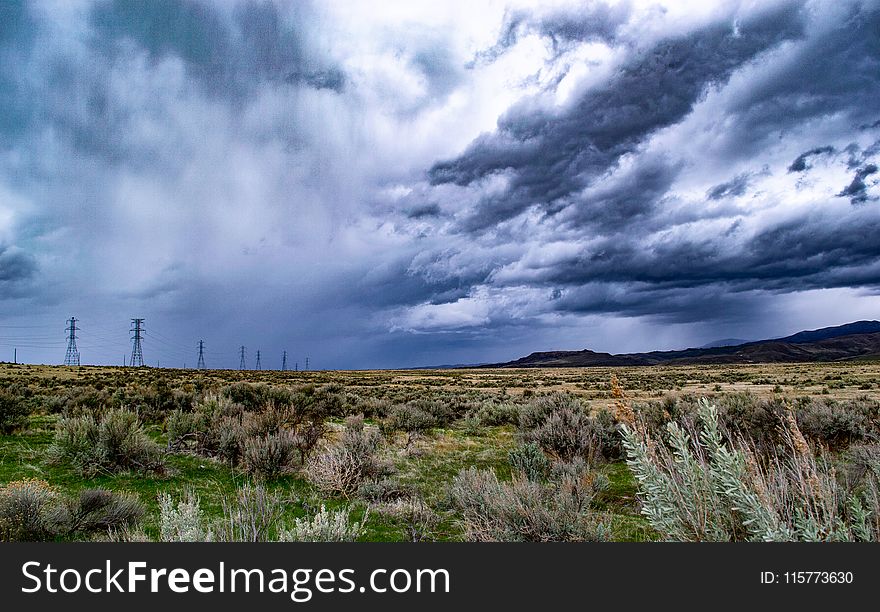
[137,354]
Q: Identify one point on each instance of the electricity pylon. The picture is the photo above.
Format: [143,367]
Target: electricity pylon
[72,356]
[137,353]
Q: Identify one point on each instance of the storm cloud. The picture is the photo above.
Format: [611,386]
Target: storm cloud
[376,185]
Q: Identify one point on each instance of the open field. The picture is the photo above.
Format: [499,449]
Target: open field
[207,434]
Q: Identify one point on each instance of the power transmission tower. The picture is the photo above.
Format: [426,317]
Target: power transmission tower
[137,354]
[242,364]
[296,366]
[72,356]
[284,362]
[307,364]
[201,365]
[258,366]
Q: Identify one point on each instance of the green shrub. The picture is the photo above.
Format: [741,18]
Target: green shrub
[565,434]
[116,442]
[14,411]
[384,490]
[252,515]
[274,433]
[269,455]
[697,487]
[492,414]
[836,425]
[523,510]
[325,526]
[32,510]
[409,418]
[529,461]
[538,410]
[343,467]
[183,521]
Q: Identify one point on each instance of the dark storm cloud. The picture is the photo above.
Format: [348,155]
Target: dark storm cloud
[229,55]
[551,156]
[800,163]
[857,190]
[670,305]
[299,176]
[834,71]
[626,201]
[16,267]
[732,188]
[426,210]
[17,35]
[229,58]
[804,253]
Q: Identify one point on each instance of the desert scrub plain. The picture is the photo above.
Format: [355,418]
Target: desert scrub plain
[756,452]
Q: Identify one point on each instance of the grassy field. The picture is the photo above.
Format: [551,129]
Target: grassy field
[430,425]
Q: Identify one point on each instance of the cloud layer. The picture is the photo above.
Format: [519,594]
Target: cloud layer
[413,184]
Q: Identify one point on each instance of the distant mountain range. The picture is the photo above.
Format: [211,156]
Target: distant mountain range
[859,340]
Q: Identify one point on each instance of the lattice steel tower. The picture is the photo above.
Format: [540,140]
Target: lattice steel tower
[242,365]
[137,353]
[258,366]
[72,356]
[284,362]
[201,364]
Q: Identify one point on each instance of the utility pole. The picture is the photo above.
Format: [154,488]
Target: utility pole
[284,362]
[258,366]
[296,367]
[242,365]
[201,365]
[72,356]
[137,354]
[307,364]
[15,356]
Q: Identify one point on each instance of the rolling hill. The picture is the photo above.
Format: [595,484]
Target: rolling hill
[858,340]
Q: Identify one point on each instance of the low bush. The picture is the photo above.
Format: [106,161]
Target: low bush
[832,424]
[267,440]
[269,455]
[384,490]
[529,461]
[344,466]
[32,510]
[114,442]
[325,526]
[697,486]
[412,419]
[491,414]
[251,515]
[415,516]
[183,521]
[14,411]
[565,434]
[524,510]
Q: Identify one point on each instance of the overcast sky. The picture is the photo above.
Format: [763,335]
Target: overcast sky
[404,183]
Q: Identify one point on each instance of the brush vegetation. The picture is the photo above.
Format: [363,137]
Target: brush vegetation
[715,453]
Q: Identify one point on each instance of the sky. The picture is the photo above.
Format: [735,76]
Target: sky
[414,183]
